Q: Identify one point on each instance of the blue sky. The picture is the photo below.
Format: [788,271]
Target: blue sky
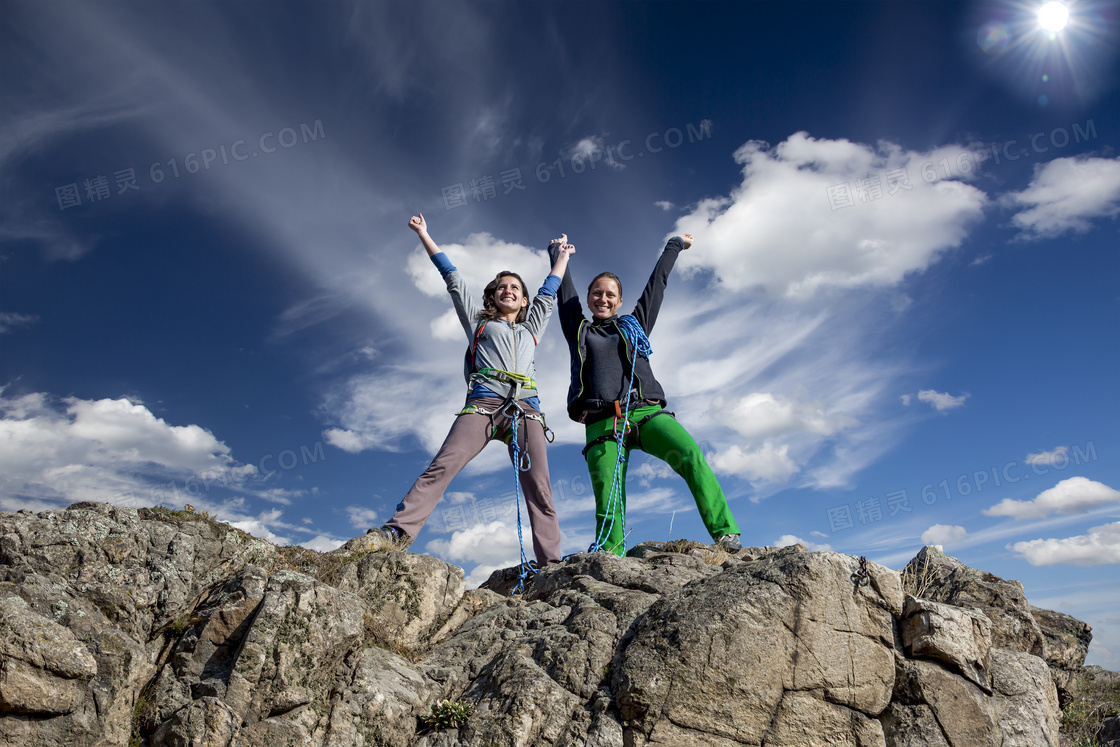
[899,323]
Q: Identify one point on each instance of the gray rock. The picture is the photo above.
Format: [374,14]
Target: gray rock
[717,657]
[1067,645]
[1026,702]
[1016,626]
[952,582]
[408,596]
[911,726]
[207,722]
[1109,733]
[960,638]
[167,628]
[44,669]
[965,714]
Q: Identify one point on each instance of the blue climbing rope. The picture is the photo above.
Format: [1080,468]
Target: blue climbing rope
[525,571]
[639,343]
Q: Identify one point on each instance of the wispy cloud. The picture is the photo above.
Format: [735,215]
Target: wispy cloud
[1059,455]
[941,401]
[1067,195]
[10,321]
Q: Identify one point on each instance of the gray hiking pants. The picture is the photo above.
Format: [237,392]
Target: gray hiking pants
[468,436]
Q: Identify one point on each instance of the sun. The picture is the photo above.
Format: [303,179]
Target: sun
[1054,51]
[1053,16]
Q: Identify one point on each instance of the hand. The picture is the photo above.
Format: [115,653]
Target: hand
[418,224]
[561,241]
[686,240]
[566,250]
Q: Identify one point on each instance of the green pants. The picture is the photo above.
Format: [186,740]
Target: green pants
[666,439]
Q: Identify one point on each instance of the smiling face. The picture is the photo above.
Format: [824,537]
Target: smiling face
[604,297]
[509,295]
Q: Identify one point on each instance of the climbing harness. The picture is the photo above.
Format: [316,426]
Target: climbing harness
[633,333]
[632,429]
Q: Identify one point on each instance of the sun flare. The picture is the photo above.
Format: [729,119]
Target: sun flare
[1053,16]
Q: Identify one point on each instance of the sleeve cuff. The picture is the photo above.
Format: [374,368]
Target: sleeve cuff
[443,264]
[550,287]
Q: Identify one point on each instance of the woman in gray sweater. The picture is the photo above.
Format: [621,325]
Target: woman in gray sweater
[499,370]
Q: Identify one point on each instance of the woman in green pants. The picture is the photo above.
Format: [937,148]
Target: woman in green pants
[613,391]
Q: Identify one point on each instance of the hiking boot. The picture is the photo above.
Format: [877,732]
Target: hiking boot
[395,537]
[729,543]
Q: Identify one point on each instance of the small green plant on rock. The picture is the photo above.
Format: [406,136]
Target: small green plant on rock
[448,714]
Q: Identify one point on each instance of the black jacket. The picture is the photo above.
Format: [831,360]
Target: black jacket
[581,407]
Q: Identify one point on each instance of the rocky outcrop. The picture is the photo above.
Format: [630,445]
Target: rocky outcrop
[1060,640]
[149,627]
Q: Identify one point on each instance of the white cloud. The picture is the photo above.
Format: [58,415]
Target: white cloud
[591,151]
[322,543]
[446,326]
[1060,455]
[455,497]
[479,259]
[942,534]
[348,441]
[815,382]
[104,450]
[778,229]
[487,547]
[760,415]
[1075,495]
[941,401]
[364,518]
[1066,194]
[116,451]
[260,529]
[664,205]
[906,398]
[767,463]
[789,539]
[1101,546]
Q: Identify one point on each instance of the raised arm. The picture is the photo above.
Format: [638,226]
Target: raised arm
[564,250]
[465,308]
[568,301]
[420,226]
[650,302]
